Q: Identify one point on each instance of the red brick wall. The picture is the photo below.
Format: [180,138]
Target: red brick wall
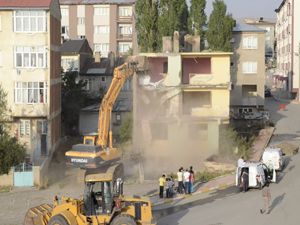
[55,97]
[55,66]
[156,66]
[55,31]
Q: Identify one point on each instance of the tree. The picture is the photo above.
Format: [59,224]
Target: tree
[173,16]
[11,152]
[73,99]
[197,19]
[146,25]
[220,27]
[125,131]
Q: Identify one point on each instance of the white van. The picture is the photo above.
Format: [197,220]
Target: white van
[273,158]
[258,174]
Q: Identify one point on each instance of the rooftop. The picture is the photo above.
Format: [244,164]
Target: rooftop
[242,27]
[92,2]
[72,46]
[121,105]
[198,54]
[25,3]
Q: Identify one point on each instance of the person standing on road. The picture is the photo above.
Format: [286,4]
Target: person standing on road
[162,181]
[241,162]
[245,180]
[180,180]
[266,194]
[191,179]
[186,179]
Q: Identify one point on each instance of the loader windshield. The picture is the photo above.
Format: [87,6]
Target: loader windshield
[98,198]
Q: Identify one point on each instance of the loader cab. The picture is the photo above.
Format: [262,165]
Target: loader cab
[100,193]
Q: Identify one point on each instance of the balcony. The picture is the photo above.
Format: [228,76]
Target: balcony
[122,19]
[30,110]
[124,37]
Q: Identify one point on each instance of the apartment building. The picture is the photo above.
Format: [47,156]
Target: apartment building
[180,104]
[30,74]
[267,24]
[108,25]
[288,39]
[247,70]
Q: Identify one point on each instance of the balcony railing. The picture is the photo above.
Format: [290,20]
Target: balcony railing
[124,36]
[249,100]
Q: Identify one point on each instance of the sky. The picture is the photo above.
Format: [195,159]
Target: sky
[249,8]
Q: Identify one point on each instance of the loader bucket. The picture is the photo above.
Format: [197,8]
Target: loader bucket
[38,215]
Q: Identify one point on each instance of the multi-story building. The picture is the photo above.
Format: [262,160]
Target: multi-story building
[288,39]
[108,25]
[30,74]
[247,69]
[180,104]
[267,24]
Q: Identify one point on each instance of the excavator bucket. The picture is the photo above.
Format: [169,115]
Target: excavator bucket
[38,215]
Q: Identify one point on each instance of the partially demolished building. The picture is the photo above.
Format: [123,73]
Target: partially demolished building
[181,101]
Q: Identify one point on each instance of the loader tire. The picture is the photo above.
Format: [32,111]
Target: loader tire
[123,220]
[58,220]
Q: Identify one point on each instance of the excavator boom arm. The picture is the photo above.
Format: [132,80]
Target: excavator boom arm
[120,75]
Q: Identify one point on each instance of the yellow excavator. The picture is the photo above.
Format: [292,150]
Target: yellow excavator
[103,203]
[97,149]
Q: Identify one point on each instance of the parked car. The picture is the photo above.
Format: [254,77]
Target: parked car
[259,174]
[273,158]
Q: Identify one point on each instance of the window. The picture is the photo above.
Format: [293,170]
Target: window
[124,46]
[103,79]
[29,21]
[103,48]
[125,29]
[43,126]
[101,11]
[64,30]
[250,42]
[88,83]
[64,12]
[24,128]
[249,67]
[249,91]
[118,117]
[30,57]
[125,11]
[31,92]
[80,20]
[126,86]
[101,29]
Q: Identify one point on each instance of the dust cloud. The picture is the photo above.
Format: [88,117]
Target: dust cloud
[166,137]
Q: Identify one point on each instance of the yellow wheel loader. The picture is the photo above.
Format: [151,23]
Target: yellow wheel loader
[103,203]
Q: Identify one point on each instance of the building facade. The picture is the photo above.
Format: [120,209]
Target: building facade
[247,70]
[182,101]
[107,25]
[30,73]
[267,24]
[288,39]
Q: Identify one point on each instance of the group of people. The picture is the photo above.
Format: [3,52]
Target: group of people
[185,179]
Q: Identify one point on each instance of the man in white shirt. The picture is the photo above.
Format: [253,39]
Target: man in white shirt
[186,179]
[241,162]
[180,181]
